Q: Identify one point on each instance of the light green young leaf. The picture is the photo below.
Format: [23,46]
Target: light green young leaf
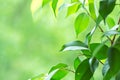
[77,61]
[92,9]
[110,22]
[81,23]
[45,2]
[83,71]
[54,5]
[72,1]
[106,7]
[74,45]
[73,8]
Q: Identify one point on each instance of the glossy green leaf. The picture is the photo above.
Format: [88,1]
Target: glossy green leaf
[81,23]
[92,9]
[73,8]
[83,71]
[77,61]
[45,2]
[60,71]
[54,5]
[99,50]
[106,7]
[75,45]
[93,64]
[105,67]
[113,60]
[110,22]
[110,33]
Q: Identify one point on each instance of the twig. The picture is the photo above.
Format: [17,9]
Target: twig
[113,40]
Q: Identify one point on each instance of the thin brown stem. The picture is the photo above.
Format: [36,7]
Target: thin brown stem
[114,37]
[70,70]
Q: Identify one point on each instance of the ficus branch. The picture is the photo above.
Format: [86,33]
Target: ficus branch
[114,37]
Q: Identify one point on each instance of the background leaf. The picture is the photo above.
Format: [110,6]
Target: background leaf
[92,9]
[45,2]
[81,23]
[54,5]
[73,8]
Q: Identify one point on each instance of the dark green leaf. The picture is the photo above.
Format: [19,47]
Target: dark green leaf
[106,7]
[117,76]
[54,6]
[110,22]
[113,59]
[93,64]
[58,72]
[75,45]
[99,50]
[45,2]
[81,23]
[73,8]
[87,53]
[83,71]
[77,61]
[92,9]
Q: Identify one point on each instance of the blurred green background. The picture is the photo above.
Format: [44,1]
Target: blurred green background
[30,38]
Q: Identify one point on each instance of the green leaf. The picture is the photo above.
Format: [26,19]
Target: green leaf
[87,53]
[39,77]
[92,9]
[60,71]
[110,22]
[81,23]
[99,50]
[75,45]
[105,67]
[93,64]
[58,66]
[83,71]
[106,7]
[54,6]
[73,8]
[117,76]
[45,2]
[77,61]
[113,60]
[111,33]
[72,1]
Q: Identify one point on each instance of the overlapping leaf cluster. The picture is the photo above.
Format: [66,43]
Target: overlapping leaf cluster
[106,53]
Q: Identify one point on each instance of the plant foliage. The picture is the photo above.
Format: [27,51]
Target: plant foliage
[105,53]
